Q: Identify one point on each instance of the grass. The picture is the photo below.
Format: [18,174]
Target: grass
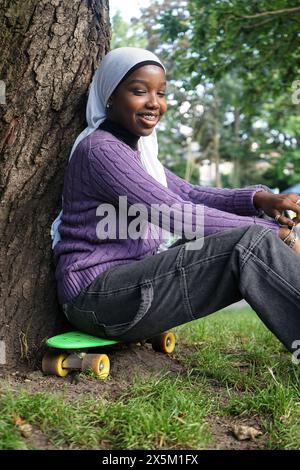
[235,369]
[160,413]
[257,372]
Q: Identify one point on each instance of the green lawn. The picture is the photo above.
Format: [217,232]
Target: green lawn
[234,370]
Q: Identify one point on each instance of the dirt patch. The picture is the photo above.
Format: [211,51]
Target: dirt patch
[221,428]
[38,440]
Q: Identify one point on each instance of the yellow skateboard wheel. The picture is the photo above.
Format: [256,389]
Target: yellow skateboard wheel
[98,363]
[164,343]
[52,364]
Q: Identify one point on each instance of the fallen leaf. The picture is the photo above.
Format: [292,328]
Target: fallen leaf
[18,421]
[242,432]
[26,430]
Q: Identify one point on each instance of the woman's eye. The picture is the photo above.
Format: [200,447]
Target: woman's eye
[142,92]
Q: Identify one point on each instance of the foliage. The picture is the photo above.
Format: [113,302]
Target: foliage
[247,56]
[125,34]
[230,69]
[257,40]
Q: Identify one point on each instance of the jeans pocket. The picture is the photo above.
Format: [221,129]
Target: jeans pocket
[83,320]
[117,330]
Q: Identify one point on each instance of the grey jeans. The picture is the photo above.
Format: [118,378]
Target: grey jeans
[139,300]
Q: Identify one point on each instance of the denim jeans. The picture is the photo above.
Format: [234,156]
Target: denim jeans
[144,298]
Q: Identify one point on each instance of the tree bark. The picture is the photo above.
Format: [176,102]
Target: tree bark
[49,52]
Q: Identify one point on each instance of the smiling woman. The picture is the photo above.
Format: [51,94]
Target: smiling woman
[139,101]
[127,287]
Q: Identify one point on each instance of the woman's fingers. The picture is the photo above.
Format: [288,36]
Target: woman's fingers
[293,196]
[297,203]
[290,209]
[292,203]
[296,222]
[285,234]
[283,207]
[283,220]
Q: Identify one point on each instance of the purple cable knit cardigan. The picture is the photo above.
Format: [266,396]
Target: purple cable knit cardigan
[103,168]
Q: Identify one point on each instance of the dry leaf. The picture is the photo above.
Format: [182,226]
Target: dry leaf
[26,430]
[243,432]
[18,421]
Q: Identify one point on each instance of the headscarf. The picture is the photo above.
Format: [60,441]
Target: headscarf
[112,70]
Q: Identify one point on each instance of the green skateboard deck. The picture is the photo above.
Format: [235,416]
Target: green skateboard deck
[72,356]
[77,340]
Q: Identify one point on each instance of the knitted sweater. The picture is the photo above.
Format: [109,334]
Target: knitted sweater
[103,168]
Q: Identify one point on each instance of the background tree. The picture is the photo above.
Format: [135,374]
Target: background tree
[175,130]
[250,52]
[49,51]
[126,34]
[258,40]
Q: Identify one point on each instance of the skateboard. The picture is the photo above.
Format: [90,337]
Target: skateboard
[70,351]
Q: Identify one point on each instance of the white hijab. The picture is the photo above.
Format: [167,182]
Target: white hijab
[113,68]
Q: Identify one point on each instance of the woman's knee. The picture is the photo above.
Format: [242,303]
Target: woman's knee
[255,235]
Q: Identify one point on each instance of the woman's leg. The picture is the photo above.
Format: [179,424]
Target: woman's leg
[141,299]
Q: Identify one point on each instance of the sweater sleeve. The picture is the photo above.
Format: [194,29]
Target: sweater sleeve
[116,171]
[236,201]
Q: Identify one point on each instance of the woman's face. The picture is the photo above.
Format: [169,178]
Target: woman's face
[139,102]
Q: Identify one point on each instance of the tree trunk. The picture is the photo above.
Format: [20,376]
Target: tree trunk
[49,52]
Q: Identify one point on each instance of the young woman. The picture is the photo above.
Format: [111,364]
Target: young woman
[115,284]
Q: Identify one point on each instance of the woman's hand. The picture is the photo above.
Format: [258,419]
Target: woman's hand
[275,204]
[284,232]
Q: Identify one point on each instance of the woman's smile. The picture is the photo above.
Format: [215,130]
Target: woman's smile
[148,119]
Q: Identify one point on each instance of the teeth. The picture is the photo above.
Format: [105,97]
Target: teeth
[149,117]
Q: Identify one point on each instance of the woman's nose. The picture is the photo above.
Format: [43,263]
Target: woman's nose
[153,101]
